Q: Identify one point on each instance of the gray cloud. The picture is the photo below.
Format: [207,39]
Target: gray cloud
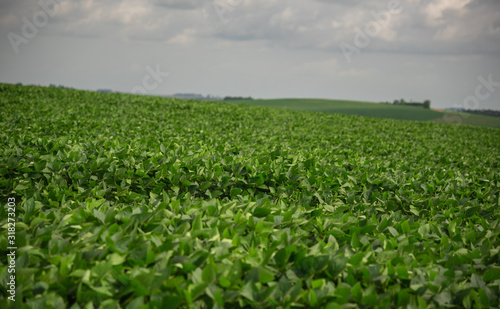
[424,26]
[181,4]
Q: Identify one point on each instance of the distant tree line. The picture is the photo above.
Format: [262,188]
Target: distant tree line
[425,104]
[237,98]
[59,86]
[485,112]
[194,96]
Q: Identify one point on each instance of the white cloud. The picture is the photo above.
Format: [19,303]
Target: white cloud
[436,10]
[185,38]
[181,4]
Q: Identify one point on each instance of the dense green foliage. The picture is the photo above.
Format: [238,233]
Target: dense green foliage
[390,111]
[141,202]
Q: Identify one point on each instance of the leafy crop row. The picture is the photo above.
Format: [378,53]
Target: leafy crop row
[141,202]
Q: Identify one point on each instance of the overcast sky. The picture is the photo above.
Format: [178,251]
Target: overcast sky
[447,51]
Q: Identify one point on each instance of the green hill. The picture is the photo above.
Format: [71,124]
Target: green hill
[377,110]
[126,201]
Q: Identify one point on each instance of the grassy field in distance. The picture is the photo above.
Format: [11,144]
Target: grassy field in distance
[377,110]
[469,119]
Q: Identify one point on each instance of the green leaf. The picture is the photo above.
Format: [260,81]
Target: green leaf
[99,215]
[265,275]
[116,259]
[403,298]
[491,274]
[336,266]
[393,231]
[224,282]
[405,227]
[261,212]
[402,271]
[136,303]
[443,299]
[209,273]
[357,292]
[249,291]
[235,191]
[424,230]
